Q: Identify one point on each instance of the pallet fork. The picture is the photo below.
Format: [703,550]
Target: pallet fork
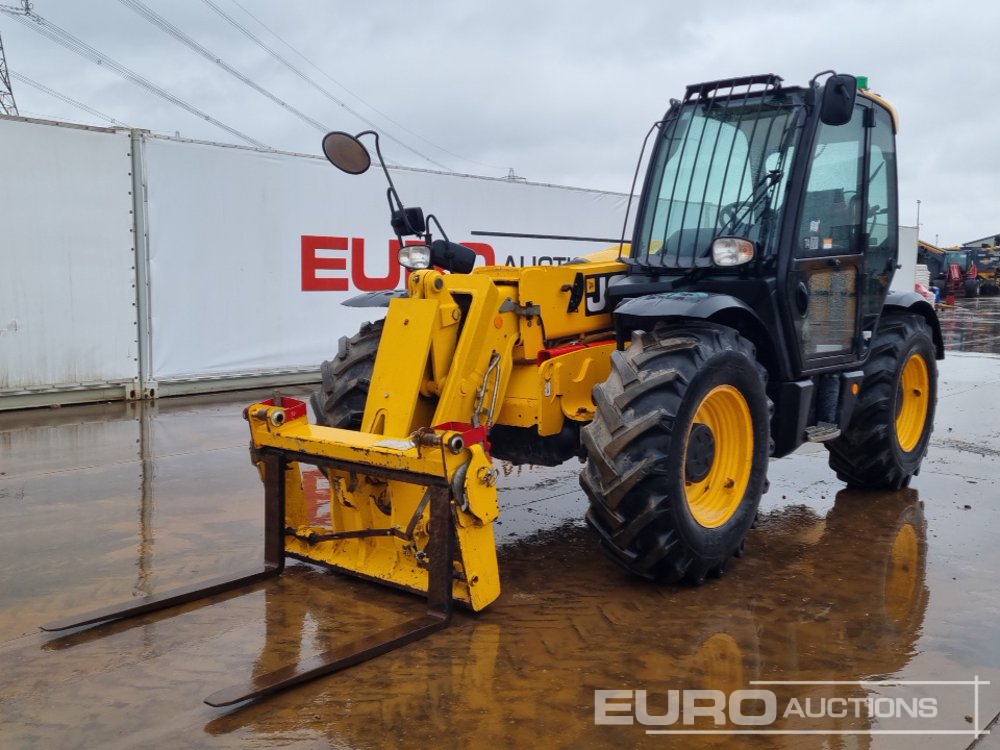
[279,472]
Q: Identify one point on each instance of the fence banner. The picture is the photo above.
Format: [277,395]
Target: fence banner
[67,290]
[251,253]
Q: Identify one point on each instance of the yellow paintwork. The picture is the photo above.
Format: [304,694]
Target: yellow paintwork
[715,499]
[560,388]
[549,287]
[872,96]
[359,500]
[914,388]
[445,350]
[609,253]
[393,403]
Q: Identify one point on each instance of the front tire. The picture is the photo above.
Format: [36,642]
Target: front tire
[340,401]
[971,287]
[677,452]
[889,431]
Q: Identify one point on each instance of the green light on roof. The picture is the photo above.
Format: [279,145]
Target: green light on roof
[862,82]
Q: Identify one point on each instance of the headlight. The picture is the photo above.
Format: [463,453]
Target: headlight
[414,257]
[731,251]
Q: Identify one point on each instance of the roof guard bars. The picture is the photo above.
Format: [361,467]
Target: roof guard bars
[703,89]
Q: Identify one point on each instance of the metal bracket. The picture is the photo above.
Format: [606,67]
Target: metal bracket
[525,311]
[576,290]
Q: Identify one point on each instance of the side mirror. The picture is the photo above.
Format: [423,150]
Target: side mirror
[453,257]
[346,152]
[837,105]
[408,222]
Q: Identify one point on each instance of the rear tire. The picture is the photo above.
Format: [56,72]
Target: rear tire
[971,288]
[677,452]
[887,436]
[340,401]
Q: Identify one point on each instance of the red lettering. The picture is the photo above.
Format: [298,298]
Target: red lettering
[484,250]
[311,263]
[364,282]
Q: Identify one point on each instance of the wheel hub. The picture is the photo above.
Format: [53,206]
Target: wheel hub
[700,453]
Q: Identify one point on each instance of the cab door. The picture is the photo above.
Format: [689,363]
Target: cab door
[827,260]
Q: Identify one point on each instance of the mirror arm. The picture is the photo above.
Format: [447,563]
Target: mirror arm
[821,73]
[385,170]
[390,193]
[430,218]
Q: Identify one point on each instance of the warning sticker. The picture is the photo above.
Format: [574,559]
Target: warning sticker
[828,243]
[814,226]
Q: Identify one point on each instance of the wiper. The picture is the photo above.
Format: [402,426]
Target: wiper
[738,212]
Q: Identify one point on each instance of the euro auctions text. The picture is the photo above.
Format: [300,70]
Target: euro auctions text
[797,707]
[341,264]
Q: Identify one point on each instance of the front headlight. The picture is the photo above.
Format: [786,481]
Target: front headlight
[414,257]
[731,251]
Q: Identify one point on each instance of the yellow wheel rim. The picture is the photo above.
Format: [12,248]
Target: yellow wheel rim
[912,402]
[903,574]
[714,497]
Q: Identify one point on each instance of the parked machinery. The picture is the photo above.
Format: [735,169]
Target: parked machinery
[750,313]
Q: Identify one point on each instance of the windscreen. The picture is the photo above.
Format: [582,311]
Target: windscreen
[720,169]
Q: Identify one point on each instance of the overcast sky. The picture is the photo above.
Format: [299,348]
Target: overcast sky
[560,91]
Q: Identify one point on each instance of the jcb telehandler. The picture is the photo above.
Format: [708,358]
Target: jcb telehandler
[750,313]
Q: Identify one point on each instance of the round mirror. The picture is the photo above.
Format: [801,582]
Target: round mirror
[346,152]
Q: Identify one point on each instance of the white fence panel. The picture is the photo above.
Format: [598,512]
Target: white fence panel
[251,253]
[67,295]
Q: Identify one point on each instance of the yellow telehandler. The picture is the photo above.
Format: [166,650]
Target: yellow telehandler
[750,313]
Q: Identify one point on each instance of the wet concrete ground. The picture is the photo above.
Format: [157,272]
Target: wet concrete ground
[103,503]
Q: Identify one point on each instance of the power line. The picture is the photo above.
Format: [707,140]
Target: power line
[64,38]
[252,37]
[164,25]
[63,97]
[372,107]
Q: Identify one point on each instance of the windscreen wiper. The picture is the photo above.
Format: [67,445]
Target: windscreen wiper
[738,212]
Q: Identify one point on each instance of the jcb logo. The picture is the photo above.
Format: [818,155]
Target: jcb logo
[337,272]
[597,293]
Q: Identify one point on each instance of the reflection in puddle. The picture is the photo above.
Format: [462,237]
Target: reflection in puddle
[835,598]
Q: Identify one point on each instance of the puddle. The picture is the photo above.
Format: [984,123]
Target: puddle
[100,504]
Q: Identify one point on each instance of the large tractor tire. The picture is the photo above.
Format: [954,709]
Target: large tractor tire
[677,452]
[971,287]
[889,431]
[340,401]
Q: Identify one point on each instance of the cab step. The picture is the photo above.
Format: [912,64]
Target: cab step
[820,433]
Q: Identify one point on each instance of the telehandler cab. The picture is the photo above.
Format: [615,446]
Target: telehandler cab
[750,313]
